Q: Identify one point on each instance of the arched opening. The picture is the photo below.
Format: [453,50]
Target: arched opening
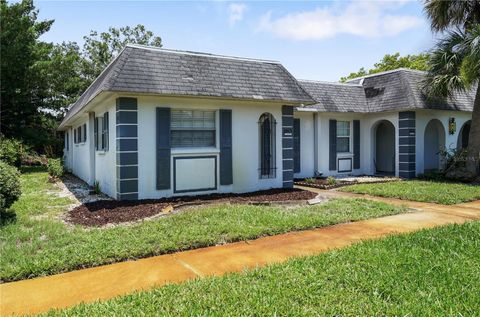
[434,141]
[384,133]
[463,135]
[266,135]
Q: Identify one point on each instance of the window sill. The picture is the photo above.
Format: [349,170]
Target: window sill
[344,154]
[101,152]
[195,150]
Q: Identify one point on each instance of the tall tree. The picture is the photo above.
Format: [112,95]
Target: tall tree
[455,61]
[100,48]
[391,62]
[23,57]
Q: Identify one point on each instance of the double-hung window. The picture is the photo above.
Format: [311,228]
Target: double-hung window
[192,128]
[343,136]
[101,132]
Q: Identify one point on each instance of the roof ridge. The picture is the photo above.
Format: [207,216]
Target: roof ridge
[388,72]
[193,53]
[329,82]
[297,83]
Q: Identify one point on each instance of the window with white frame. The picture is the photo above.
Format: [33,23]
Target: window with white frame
[101,132]
[343,136]
[192,128]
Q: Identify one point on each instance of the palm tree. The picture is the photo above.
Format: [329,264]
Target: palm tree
[455,60]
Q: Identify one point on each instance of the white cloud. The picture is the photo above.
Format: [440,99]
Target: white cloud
[236,11]
[361,18]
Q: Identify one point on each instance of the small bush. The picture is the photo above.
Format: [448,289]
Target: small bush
[96,187]
[55,168]
[11,151]
[331,180]
[10,189]
[310,180]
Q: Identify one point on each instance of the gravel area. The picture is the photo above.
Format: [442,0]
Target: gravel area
[104,212]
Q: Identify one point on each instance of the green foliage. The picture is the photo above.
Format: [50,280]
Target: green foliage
[55,167]
[96,187]
[66,248]
[40,80]
[416,190]
[11,151]
[24,56]
[428,273]
[391,62]
[310,180]
[331,180]
[10,189]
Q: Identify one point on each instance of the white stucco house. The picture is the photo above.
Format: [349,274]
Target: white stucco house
[159,123]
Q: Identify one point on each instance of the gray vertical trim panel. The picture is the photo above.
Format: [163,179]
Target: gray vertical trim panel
[406,146]
[226,172]
[287,142]
[163,148]
[296,146]
[127,176]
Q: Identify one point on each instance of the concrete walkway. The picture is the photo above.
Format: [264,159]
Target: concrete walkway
[104,282]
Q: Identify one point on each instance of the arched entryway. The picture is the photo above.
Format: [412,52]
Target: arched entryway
[434,141]
[462,142]
[384,156]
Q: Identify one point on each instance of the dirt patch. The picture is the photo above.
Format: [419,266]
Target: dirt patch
[323,183]
[104,212]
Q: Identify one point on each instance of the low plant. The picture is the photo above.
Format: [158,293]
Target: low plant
[11,151]
[96,187]
[331,180]
[310,180]
[10,189]
[55,168]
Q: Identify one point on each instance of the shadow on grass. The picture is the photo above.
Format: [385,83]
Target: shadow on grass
[33,169]
[7,217]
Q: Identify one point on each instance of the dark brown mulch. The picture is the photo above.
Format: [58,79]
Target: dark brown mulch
[322,183]
[102,212]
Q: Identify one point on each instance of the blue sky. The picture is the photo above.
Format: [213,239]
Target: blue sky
[321,40]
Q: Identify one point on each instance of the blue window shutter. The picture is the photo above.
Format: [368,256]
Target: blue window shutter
[95,132]
[296,145]
[332,145]
[105,129]
[163,148]
[356,144]
[226,173]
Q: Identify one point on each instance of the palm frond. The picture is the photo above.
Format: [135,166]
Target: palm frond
[444,77]
[446,14]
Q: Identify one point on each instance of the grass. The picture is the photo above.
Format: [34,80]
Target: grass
[433,272]
[37,243]
[424,191]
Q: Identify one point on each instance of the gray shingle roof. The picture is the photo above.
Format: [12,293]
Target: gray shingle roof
[336,97]
[141,69]
[402,89]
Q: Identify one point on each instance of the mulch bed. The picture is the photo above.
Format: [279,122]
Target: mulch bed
[103,212]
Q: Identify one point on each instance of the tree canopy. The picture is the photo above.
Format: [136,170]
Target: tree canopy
[40,80]
[391,62]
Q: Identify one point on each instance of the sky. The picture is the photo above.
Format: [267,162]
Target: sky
[318,40]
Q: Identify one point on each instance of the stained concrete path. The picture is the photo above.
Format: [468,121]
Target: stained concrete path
[104,282]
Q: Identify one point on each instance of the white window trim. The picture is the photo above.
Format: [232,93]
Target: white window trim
[350,145]
[198,149]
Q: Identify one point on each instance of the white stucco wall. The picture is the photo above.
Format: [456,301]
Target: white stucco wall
[423,117]
[245,143]
[80,160]
[307,145]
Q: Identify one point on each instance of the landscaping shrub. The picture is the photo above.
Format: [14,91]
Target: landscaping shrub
[11,151]
[55,167]
[331,180]
[10,189]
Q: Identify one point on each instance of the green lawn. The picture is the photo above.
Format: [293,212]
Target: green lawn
[37,243]
[416,190]
[433,272]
